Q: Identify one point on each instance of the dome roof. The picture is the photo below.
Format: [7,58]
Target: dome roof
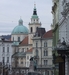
[35,16]
[20,28]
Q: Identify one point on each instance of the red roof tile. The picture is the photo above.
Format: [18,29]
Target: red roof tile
[25,41]
[30,50]
[48,34]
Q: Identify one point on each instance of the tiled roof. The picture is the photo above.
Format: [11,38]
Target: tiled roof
[48,34]
[30,50]
[25,41]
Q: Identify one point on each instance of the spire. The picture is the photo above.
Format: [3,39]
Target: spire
[20,21]
[34,12]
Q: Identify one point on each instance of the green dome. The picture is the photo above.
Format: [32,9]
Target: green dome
[20,28]
[34,16]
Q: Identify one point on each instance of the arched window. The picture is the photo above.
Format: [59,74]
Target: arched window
[31,29]
[18,39]
[13,38]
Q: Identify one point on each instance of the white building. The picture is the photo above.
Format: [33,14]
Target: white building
[42,50]
[63,23]
[64,27]
[33,42]
[64,20]
[6,52]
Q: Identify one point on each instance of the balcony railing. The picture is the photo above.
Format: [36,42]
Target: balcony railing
[45,66]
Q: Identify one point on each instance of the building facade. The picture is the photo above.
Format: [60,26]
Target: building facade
[6,52]
[63,21]
[31,42]
[42,51]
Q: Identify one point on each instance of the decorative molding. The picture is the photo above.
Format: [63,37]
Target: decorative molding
[54,7]
[65,10]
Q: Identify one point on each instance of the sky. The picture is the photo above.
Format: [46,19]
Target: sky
[12,10]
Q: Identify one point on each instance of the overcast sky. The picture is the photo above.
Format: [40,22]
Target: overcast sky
[11,10]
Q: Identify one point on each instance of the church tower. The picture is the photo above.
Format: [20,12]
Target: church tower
[34,24]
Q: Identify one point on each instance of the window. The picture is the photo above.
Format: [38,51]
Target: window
[36,44]
[7,59]
[3,59]
[8,49]
[19,39]
[45,44]
[27,48]
[36,28]
[28,64]
[34,20]
[47,72]
[13,38]
[3,49]
[45,62]
[17,50]
[27,57]
[21,58]
[36,52]
[31,29]
[21,62]
[22,49]
[45,53]
[51,72]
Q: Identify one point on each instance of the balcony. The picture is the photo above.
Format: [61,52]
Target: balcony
[45,66]
[47,57]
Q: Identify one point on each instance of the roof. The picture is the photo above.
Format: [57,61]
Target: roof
[7,37]
[30,50]
[20,28]
[40,32]
[48,34]
[19,54]
[15,43]
[34,16]
[24,41]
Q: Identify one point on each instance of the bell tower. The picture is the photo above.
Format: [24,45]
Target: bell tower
[34,24]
